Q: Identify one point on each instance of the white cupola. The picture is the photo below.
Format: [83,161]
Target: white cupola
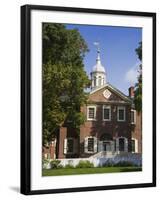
[98,74]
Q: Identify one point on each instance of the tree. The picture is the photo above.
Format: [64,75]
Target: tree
[64,78]
[138,86]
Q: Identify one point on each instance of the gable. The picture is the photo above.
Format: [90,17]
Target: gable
[108,94]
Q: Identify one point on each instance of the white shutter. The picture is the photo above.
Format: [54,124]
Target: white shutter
[86,145]
[65,146]
[136,146]
[95,145]
[125,144]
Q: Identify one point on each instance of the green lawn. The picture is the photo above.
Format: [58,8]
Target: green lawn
[74,171]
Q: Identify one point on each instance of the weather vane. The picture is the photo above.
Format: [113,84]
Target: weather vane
[97,45]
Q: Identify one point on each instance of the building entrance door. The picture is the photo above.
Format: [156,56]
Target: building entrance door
[107,146]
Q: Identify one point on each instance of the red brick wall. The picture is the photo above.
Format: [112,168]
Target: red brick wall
[137,131]
[113,127]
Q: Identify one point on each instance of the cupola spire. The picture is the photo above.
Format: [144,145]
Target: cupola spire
[98,74]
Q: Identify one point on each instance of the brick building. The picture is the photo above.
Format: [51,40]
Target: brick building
[112,124]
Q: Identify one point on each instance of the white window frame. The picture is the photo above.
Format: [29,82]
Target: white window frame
[91,119]
[134,116]
[108,107]
[120,108]
[95,145]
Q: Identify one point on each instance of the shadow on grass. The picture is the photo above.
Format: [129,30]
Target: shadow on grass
[126,169]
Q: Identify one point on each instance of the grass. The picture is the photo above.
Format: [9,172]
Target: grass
[59,172]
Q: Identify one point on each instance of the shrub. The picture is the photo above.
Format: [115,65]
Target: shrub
[108,163]
[45,163]
[111,163]
[124,164]
[55,164]
[84,164]
[69,166]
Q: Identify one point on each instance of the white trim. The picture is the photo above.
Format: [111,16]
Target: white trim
[45,183]
[121,108]
[134,116]
[108,107]
[136,145]
[91,119]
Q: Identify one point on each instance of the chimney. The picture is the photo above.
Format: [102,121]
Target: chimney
[131,92]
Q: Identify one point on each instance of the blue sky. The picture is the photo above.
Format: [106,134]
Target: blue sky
[117,46]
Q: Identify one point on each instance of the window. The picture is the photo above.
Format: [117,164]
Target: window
[68,145]
[133,116]
[106,113]
[121,113]
[99,81]
[133,145]
[91,112]
[121,144]
[91,144]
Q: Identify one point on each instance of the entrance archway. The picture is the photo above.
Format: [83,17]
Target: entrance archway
[106,143]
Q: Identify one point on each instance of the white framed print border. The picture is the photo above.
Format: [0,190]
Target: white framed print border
[32,17]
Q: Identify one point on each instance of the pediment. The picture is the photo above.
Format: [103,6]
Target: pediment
[108,93]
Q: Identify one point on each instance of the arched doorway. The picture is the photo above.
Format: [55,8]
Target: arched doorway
[106,143]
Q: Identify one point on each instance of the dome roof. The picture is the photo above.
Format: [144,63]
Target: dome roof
[98,67]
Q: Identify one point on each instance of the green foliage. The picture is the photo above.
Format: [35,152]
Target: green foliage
[138,86]
[139,51]
[69,166]
[64,78]
[55,164]
[124,164]
[45,163]
[84,164]
[111,163]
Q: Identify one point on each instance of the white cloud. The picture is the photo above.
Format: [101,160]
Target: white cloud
[132,73]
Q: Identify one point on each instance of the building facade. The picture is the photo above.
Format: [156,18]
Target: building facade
[112,124]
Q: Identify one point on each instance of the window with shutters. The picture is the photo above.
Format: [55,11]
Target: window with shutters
[91,113]
[106,113]
[121,113]
[70,143]
[91,144]
[68,146]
